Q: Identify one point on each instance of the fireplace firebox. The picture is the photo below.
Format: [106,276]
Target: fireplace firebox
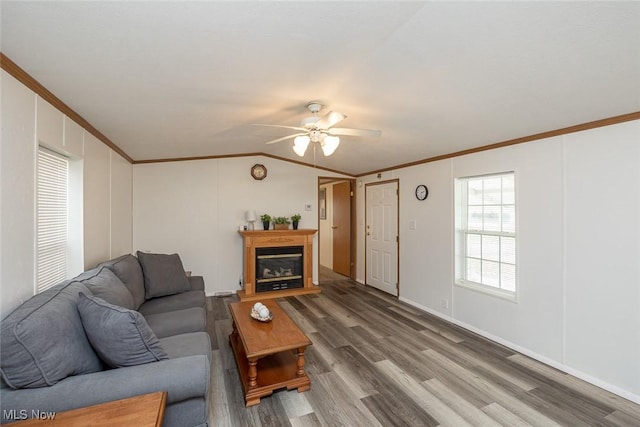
[279,268]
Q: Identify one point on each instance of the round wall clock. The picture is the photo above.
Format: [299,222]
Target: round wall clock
[258,171]
[422,192]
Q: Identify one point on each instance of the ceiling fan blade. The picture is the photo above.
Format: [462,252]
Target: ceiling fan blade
[374,133]
[280,126]
[330,119]
[285,138]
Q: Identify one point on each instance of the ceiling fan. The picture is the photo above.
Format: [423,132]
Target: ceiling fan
[320,130]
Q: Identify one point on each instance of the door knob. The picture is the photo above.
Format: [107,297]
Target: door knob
[334,227]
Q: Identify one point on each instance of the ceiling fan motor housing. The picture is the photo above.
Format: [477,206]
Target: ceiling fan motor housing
[314,107]
[309,122]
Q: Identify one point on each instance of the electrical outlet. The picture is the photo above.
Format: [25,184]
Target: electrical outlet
[445,303]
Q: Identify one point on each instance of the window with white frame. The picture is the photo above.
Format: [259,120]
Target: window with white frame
[52,218]
[486,233]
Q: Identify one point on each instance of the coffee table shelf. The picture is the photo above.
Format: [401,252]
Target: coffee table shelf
[269,356]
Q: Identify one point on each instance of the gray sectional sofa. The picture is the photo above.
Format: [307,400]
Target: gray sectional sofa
[130,326]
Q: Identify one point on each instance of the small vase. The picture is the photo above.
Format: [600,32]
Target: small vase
[265,225]
[295,225]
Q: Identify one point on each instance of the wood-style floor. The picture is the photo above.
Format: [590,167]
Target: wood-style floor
[376,361]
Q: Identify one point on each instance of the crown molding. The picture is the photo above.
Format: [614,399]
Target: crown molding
[23,77]
[562,131]
[225,156]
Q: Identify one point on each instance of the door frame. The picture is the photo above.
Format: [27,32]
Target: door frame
[388,181]
[323,180]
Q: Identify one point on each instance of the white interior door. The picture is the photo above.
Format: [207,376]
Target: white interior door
[382,236]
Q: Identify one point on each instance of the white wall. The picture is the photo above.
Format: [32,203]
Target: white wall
[97,225]
[121,206]
[105,190]
[602,254]
[578,213]
[108,190]
[17,204]
[194,208]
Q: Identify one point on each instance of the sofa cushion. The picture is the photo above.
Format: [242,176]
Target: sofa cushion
[189,299]
[163,274]
[184,345]
[86,275]
[43,340]
[107,286]
[121,337]
[178,322]
[129,271]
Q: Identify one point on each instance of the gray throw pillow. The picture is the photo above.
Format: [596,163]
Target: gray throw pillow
[163,274]
[128,269]
[120,337]
[43,340]
[107,286]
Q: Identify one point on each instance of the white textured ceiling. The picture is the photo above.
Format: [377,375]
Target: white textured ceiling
[181,79]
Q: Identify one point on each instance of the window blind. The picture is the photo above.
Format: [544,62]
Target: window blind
[52,212]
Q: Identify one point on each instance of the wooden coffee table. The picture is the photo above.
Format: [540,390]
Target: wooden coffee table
[269,355]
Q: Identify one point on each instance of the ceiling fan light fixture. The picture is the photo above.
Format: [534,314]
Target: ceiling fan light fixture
[300,144]
[315,135]
[330,144]
[320,131]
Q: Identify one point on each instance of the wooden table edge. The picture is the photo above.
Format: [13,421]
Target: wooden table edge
[75,417]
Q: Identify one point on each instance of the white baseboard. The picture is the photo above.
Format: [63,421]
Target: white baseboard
[527,352]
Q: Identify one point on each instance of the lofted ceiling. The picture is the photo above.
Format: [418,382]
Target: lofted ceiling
[184,79]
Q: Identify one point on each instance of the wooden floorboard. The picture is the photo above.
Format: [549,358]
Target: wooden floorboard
[378,361]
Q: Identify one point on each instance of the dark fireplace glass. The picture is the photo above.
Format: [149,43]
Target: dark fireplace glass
[279,268]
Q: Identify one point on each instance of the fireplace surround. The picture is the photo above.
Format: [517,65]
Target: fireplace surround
[277,263]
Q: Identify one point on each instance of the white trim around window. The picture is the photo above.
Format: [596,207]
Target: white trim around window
[486,237]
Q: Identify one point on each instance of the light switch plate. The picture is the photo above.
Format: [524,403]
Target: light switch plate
[307,207]
[412,224]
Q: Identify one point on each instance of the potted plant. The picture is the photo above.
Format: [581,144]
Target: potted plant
[266,221]
[295,219]
[281,223]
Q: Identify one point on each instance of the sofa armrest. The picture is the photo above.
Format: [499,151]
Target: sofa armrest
[183,378]
[196,282]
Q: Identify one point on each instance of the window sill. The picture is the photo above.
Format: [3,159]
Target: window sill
[488,290]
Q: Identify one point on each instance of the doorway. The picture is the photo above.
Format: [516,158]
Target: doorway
[381,237]
[336,231]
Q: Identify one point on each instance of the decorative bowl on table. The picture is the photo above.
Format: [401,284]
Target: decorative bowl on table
[261,313]
[256,315]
